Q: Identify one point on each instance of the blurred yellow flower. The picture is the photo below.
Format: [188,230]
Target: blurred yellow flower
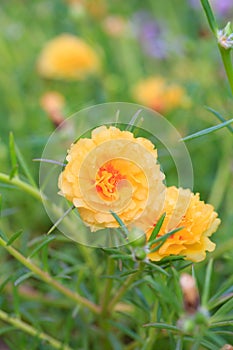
[199,221]
[95,8]
[158,94]
[67,57]
[113,171]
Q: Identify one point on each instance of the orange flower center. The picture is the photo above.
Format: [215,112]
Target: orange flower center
[107,179]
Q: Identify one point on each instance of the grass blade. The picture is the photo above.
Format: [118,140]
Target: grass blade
[207,131]
[60,219]
[206,289]
[164,237]
[4,283]
[14,237]
[220,314]
[14,172]
[219,116]
[23,277]
[157,228]
[3,236]
[166,326]
[120,222]
[24,166]
[41,245]
[13,156]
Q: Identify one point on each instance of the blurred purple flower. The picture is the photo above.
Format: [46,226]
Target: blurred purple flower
[223,8]
[153,36]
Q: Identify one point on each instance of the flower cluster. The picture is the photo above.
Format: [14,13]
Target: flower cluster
[67,57]
[114,171]
[158,94]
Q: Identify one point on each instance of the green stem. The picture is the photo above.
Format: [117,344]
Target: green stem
[125,286]
[108,286]
[44,276]
[226,58]
[16,322]
[34,192]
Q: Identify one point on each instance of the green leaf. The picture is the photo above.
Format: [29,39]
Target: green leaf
[64,256]
[219,301]
[13,157]
[163,238]
[14,172]
[24,166]
[6,329]
[157,268]
[214,338]
[177,289]
[206,344]
[206,288]
[16,301]
[227,287]
[157,227]
[219,116]
[110,250]
[0,204]
[220,314]
[4,283]
[60,220]
[223,332]
[207,131]
[3,236]
[210,16]
[125,330]
[122,257]
[120,222]
[41,245]
[23,277]
[14,237]
[166,326]
[221,323]
[163,292]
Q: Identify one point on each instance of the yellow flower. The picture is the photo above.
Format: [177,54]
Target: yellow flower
[199,221]
[113,171]
[157,94]
[67,57]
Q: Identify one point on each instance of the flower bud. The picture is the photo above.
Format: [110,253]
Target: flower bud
[225,37]
[137,237]
[201,317]
[190,293]
[188,325]
[140,253]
